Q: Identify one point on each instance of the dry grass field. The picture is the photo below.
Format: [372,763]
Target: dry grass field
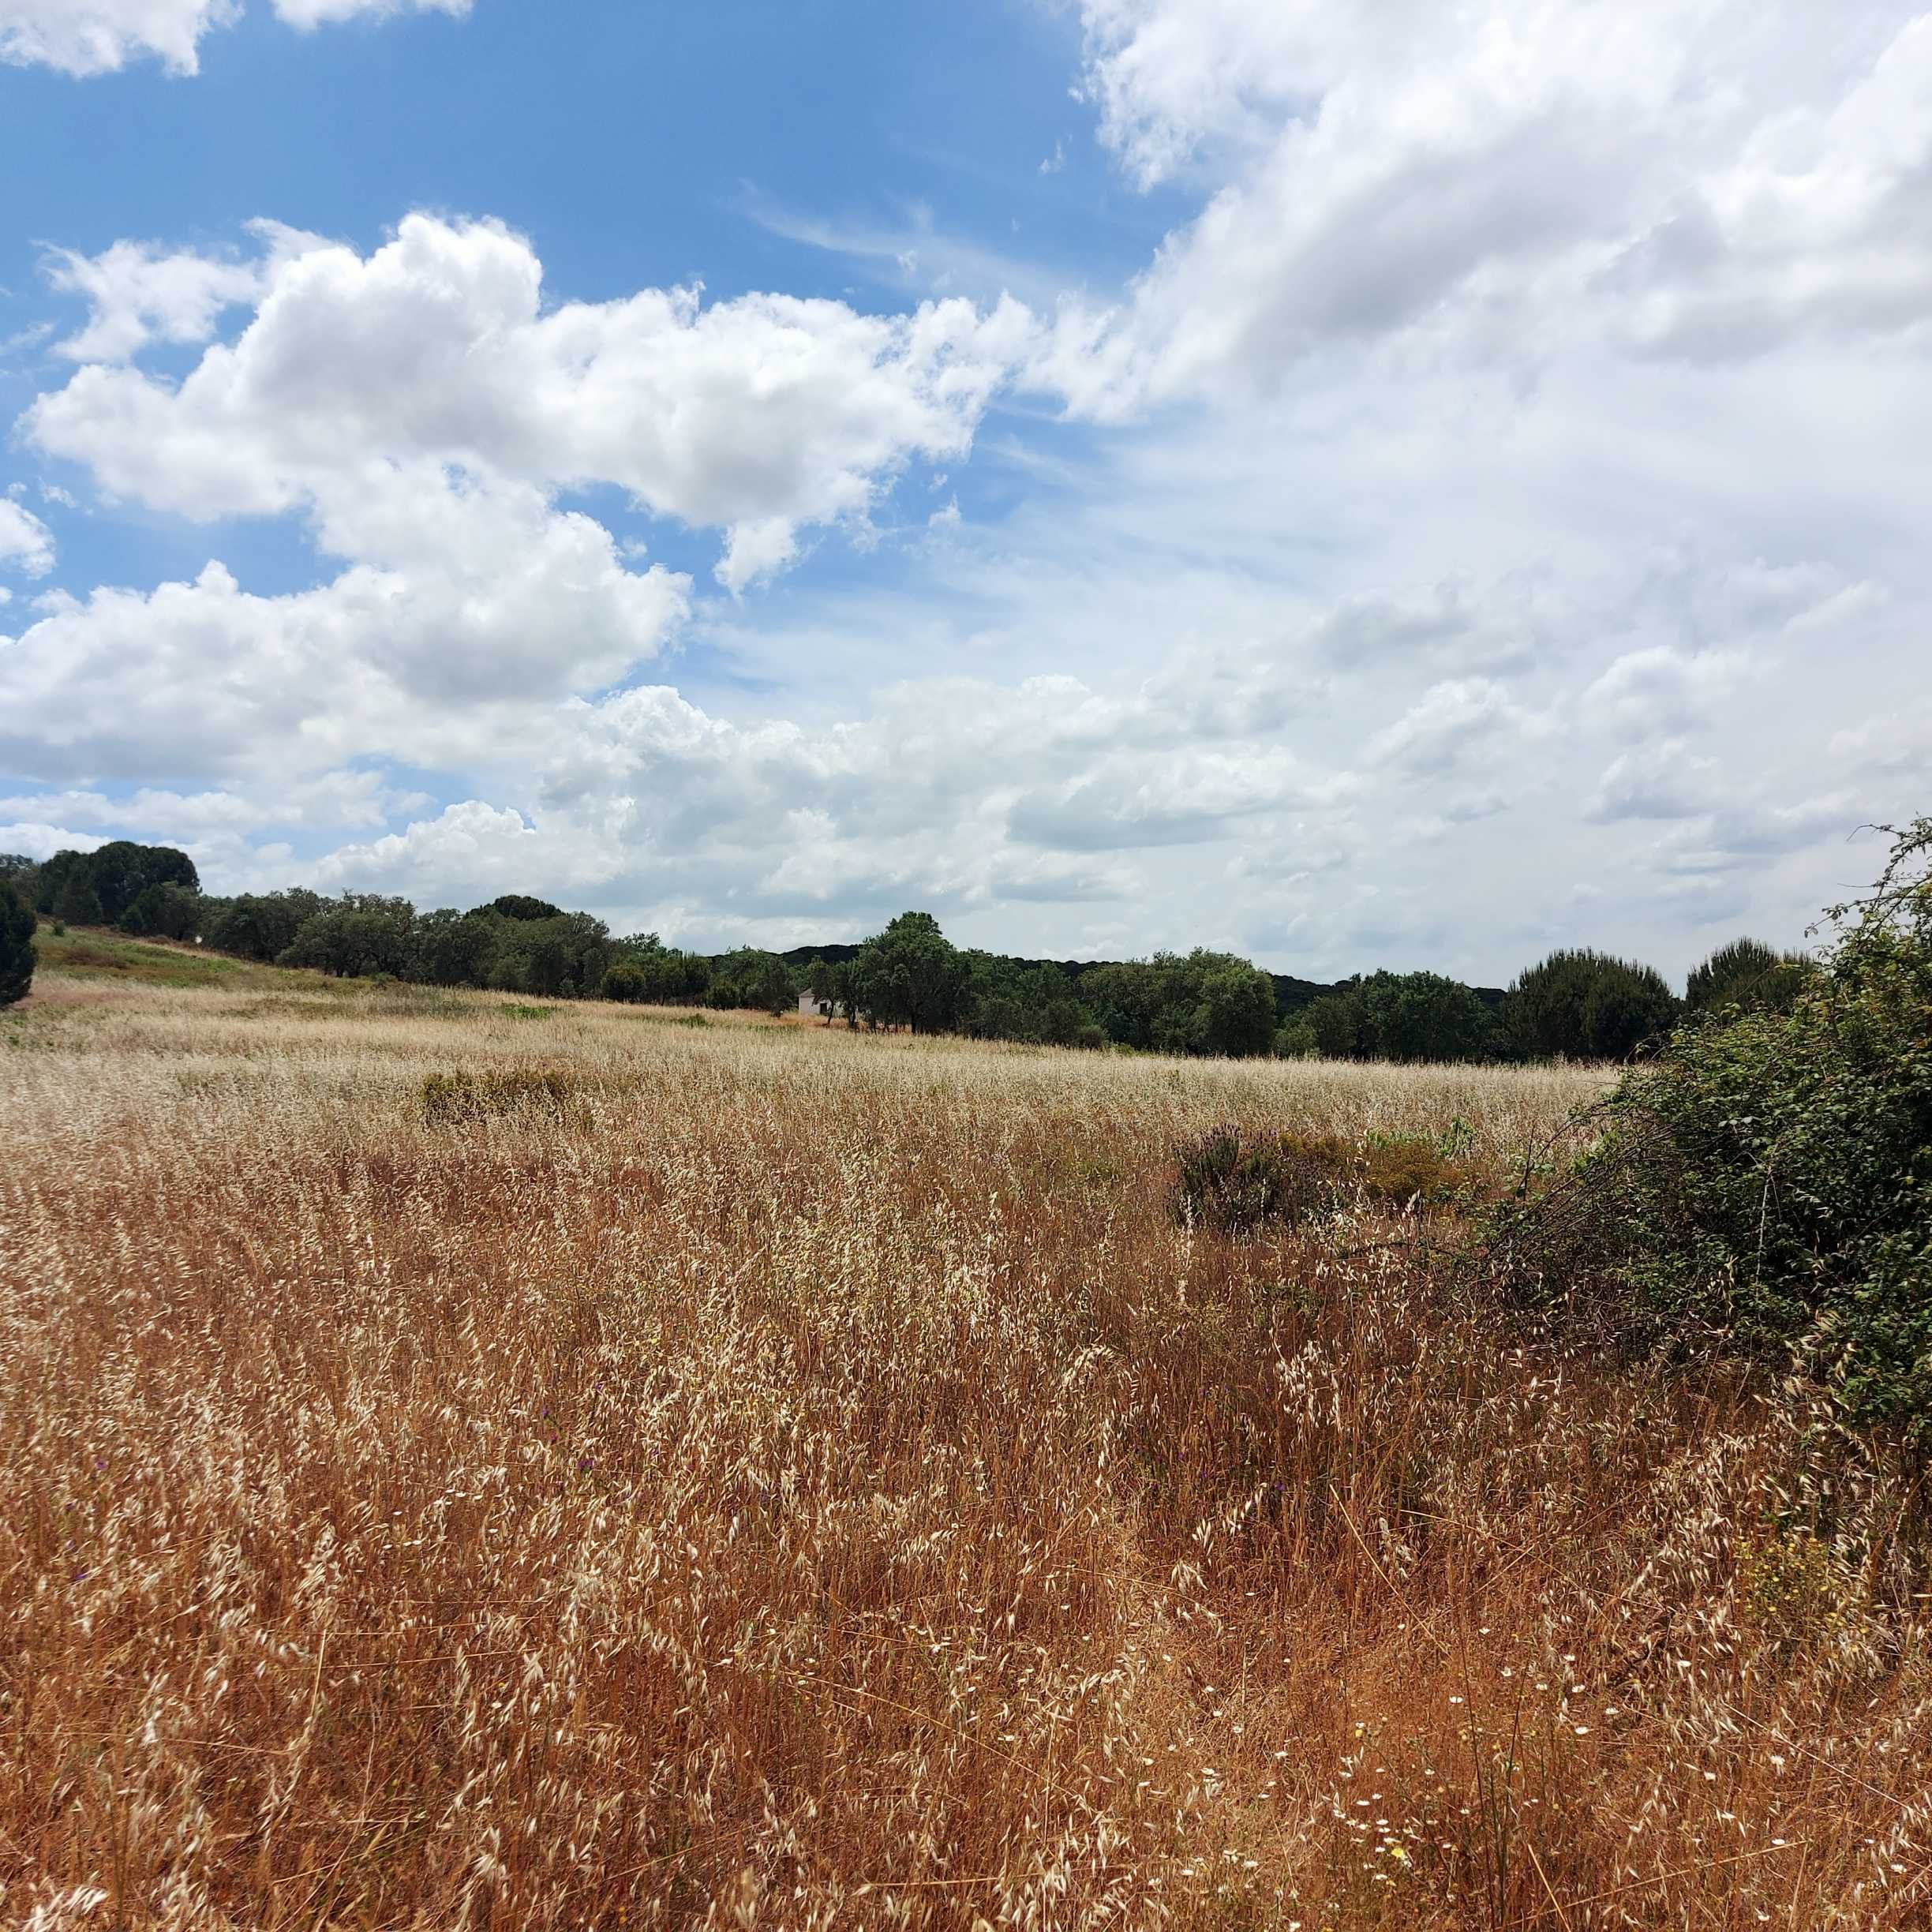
[749,1475]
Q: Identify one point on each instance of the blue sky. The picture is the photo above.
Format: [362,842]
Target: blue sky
[1395,491]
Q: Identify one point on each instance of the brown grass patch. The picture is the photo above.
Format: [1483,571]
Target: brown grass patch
[827,1487]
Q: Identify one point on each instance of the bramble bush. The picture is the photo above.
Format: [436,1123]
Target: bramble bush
[1235,1184]
[1764,1187]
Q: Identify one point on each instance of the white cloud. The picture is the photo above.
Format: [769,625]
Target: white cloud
[26,544]
[756,415]
[1457,726]
[139,292]
[311,14]
[471,600]
[1662,690]
[1661,781]
[85,37]
[1684,178]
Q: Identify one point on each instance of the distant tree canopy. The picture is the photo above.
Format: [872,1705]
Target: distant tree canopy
[1401,1016]
[909,975]
[1588,1005]
[1577,1005]
[1748,973]
[261,925]
[99,888]
[520,906]
[17,950]
[1202,1003]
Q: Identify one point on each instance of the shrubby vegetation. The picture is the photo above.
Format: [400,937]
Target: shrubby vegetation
[17,953]
[1579,1006]
[1765,1187]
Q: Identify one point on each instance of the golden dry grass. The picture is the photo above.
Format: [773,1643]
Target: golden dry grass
[798,1480]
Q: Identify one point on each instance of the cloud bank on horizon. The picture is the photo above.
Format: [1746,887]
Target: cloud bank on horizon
[1484,515]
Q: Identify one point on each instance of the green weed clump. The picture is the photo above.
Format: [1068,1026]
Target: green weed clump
[1236,1184]
[451,1098]
[1765,1188]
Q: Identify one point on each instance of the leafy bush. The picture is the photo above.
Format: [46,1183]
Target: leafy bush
[1236,1185]
[16,952]
[449,1099]
[1765,1188]
[626,983]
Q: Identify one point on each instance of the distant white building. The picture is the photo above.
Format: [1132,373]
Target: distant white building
[820,1009]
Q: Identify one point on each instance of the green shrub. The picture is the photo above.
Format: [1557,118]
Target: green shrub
[1236,1184]
[448,1099]
[1765,1187]
[17,949]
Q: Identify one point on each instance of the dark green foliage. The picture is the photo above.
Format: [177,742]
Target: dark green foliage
[1005,999]
[830,984]
[1586,1005]
[164,912]
[262,926]
[50,876]
[1236,1183]
[1747,973]
[1765,1187]
[120,871]
[760,981]
[17,950]
[75,902]
[909,975]
[520,906]
[564,957]
[624,982]
[452,948]
[359,935]
[670,977]
[1402,1017]
[1204,1003]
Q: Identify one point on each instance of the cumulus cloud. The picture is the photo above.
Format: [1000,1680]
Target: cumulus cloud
[84,38]
[471,598]
[26,544]
[1669,177]
[141,292]
[756,415]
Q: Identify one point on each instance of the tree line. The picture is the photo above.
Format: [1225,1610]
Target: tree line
[1576,1004]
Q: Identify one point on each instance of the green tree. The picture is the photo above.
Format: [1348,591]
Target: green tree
[1415,1016]
[164,912]
[262,926]
[910,975]
[76,903]
[520,906]
[1580,1005]
[624,982]
[121,870]
[1234,1007]
[16,948]
[452,948]
[1748,973]
[356,936]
